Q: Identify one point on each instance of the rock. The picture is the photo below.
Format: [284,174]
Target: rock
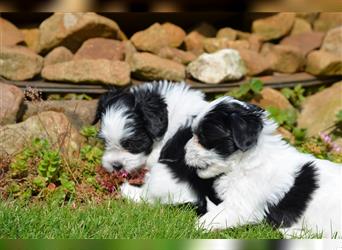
[194,42]
[206,29]
[272,98]
[53,126]
[58,55]
[101,48]
[254,62]
[158,36]
[255,42]
[11,97]
[129,50]
[284,59]
[274,27]
[177,55]
[243,35]
[319,110]
[228,33]
[305,42]
[72,29]
[310,17]
[89,70]
[10,35]
[19,63]
[147,66]
[175,34]
[327,21]
[79,112]
[215,44]
[333,41]
[320,62]
[300,26]
[223,65]
[31,37]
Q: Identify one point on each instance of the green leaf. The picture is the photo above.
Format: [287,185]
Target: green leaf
[256,85]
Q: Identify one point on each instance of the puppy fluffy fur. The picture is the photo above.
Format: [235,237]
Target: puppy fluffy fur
[259,176]
[136,123]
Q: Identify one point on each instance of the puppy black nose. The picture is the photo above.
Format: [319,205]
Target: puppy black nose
[117,165]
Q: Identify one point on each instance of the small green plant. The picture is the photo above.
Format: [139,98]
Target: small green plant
[19,165]
[50,165]
[248,90]
[91,154]
[89,131]
[294,95]
[288,119]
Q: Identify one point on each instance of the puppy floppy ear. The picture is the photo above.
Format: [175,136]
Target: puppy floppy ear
[104,101]
[245,129]
[154,113]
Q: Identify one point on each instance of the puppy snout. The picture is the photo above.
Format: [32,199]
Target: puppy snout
[117,165]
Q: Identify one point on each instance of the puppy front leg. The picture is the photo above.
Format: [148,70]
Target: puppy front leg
[219,217]
[131,192]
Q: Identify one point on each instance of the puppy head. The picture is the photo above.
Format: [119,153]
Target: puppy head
[128,129]
[227,126]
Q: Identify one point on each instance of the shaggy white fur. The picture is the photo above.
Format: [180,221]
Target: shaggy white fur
[263,175]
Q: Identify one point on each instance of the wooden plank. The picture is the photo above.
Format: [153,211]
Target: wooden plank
[274,81]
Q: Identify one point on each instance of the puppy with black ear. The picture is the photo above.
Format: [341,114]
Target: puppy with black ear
[136,123]
[260,176]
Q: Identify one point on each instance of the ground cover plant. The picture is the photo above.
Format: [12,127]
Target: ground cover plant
[46,195]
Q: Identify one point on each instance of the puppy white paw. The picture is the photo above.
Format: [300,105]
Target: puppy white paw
[208,222]
[130,192]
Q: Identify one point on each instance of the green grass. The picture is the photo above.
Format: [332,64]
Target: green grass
[112,220]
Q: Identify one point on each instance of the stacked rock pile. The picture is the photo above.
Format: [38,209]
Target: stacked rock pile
[89,48]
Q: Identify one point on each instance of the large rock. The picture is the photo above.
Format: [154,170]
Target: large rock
[31,37]
[11,98]
[271,98]
[147,66]
[215,44]
[89,70]
[319,110]
[19,63]
[321,62]
[52,126]
[183,57]
[79,112]
[333,41]
[72,29]
[175,33]
[58,55]
[101,48]
[255,63]
[223,65]
[10,35]
[300,26]
[305,42]
[274,27]
[158,36]
[194,42]
[129,49]
[310,17]
[228,33]
[327,21]
[283,58]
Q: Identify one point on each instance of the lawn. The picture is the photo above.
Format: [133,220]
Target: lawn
[117,219]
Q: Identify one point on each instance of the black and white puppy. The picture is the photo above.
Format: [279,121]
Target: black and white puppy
[261,177]
[136,124]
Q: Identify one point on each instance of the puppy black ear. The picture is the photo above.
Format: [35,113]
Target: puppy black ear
[245,129]
[104,101]
[154,113]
